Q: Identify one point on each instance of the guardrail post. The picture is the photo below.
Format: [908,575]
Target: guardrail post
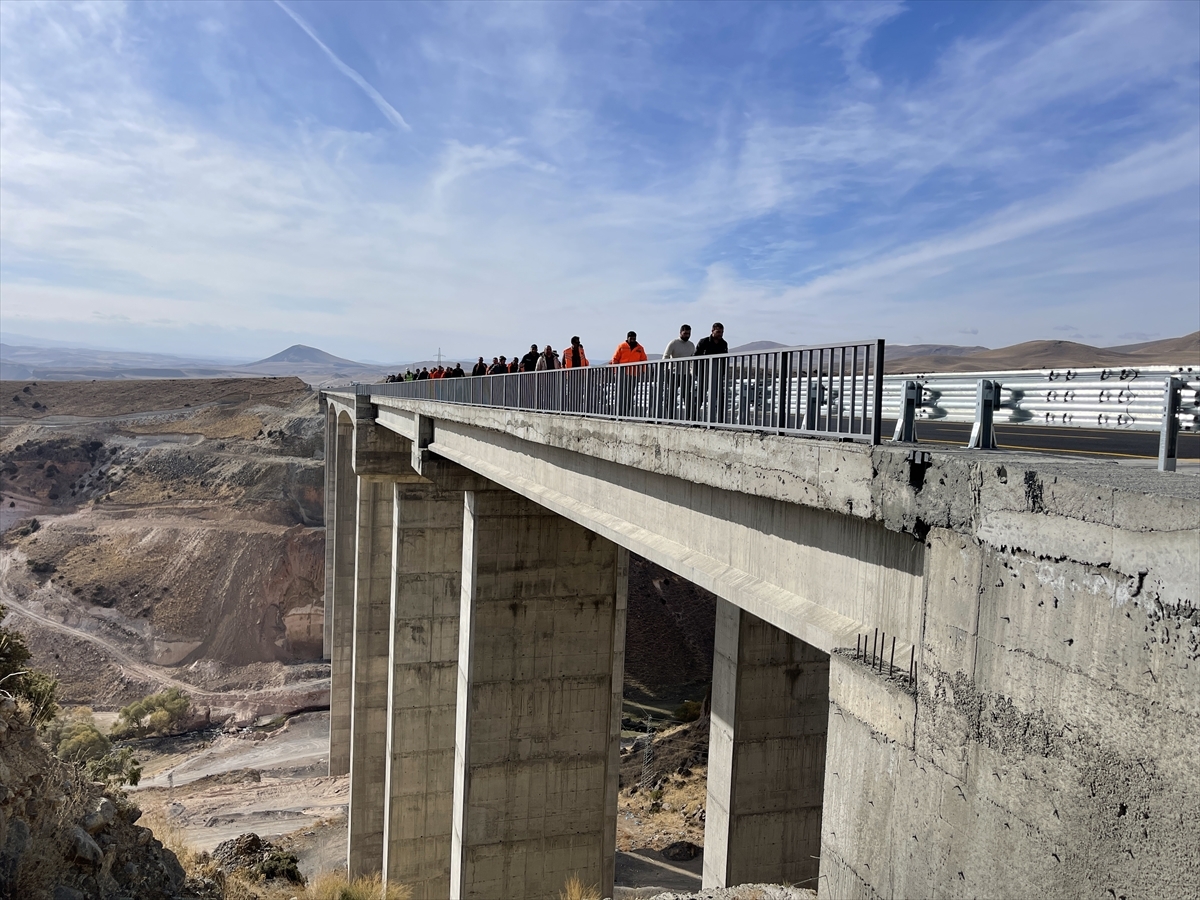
[987,399]
[906,422]
[1168,443]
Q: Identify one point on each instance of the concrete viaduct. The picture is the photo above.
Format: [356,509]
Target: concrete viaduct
[475,618]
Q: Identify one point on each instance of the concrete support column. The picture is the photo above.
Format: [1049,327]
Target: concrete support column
[370,674]
[541,645]
[340,539]
[426,559]
[330,525]
[766,757]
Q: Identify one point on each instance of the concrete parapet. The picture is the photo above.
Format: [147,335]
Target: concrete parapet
[536,732]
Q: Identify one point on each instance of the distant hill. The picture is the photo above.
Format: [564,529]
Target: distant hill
[1181,351]
[1188,346]
[311,356]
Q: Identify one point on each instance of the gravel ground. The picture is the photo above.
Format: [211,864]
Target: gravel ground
[740,892]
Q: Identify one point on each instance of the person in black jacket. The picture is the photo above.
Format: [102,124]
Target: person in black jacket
[714,343]
[529,360]
[480,368]
[717,370]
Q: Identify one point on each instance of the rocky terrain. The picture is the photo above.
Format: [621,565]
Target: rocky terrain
[64,838]
[168,533]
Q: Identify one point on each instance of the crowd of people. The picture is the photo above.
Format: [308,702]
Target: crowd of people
[574,356]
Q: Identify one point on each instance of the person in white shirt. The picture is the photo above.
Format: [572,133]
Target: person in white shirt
[682,346]
[676,382]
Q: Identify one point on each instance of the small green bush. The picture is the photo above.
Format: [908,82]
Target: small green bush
[82,742]
[116,768]
[159,713]
[689,711]
[35,690]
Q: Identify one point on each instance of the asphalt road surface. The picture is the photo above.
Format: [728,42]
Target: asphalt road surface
[1085,441]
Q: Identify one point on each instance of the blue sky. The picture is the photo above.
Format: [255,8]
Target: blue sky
[383,180]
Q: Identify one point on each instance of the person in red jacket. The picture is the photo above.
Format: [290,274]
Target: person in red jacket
[574,357]
[629,350]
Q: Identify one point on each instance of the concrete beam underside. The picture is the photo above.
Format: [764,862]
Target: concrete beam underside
[538,707]
[766,762]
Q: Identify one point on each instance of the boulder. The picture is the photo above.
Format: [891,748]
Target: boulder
[681,851]
[82,848]
[102,814]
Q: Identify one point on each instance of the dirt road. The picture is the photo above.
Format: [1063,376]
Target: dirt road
[302,690]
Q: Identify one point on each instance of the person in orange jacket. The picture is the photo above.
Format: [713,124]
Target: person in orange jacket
[629,350]
[574,357]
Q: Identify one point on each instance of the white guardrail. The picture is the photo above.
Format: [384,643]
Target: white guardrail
[1126,399]
[1165,399]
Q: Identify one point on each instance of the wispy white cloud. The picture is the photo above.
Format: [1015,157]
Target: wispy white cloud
[547,200]
[377,98]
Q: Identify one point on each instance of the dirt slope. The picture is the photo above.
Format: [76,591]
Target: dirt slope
[179,526]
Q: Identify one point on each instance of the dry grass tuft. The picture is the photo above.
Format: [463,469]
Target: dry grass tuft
[575,889]
[336,886]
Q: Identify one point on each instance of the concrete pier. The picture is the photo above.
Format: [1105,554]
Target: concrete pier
[371,664]
[426,559]
[341,512]
[538,707]
[766,758]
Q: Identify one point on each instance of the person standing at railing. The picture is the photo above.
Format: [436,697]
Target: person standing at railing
[714,345]
[547,360]
[457,371]
[628,351]
[576,390]
[574,357]
[423,375]
[497,368]
[682,346]
[514,365]
[480,368]
[675,381]
[529,360]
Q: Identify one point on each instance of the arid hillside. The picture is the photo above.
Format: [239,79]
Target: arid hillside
[167,531]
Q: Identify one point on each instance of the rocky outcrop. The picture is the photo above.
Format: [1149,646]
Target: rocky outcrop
[62,838]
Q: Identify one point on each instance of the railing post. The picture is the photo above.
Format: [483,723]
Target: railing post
[877,399]
[1168,442]
[906,422]
[987,399]
[783,394]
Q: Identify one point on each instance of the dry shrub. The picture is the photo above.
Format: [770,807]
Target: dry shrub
[174,838]
[575,889]
[337,886]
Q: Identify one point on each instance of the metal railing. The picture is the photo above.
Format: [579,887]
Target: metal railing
[835,391]
[822,391]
